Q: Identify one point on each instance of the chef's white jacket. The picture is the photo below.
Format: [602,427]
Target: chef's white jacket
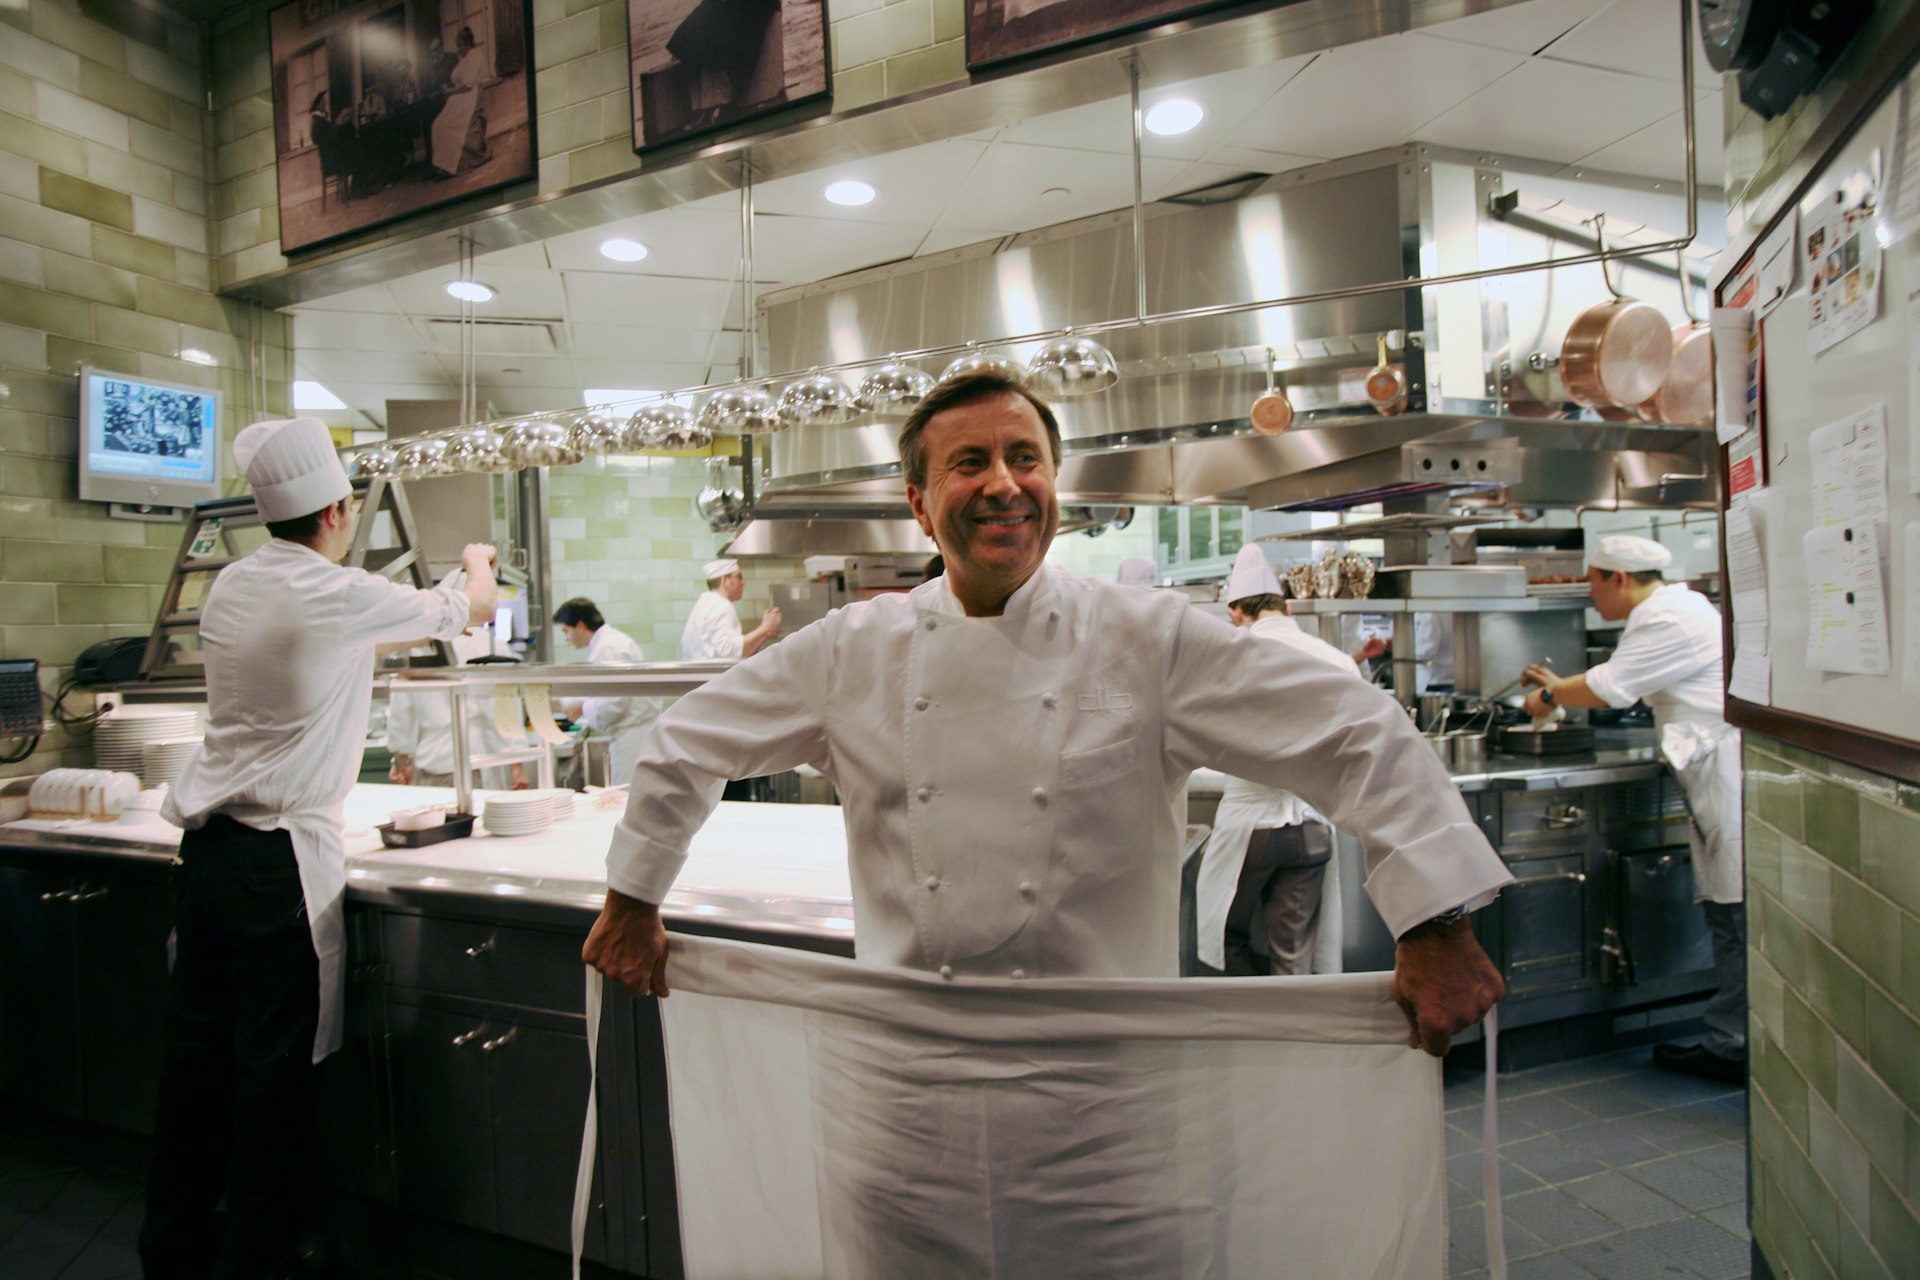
[1008,782]
[288,637]
[1670,655]
[623,720]
[712,631]
[420,724]
[1246,807]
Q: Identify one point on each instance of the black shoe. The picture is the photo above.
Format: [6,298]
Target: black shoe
[1698,1060]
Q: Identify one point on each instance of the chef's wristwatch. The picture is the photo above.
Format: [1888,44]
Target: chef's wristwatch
[1546,694]
[1448,918]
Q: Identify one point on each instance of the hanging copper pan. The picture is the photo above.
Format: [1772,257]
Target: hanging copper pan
[1616,353]
[1685,397]
[1272,412]
[1386,389]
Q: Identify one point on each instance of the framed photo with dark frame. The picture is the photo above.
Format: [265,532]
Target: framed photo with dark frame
[703,65]
[385,108]
[1002,30]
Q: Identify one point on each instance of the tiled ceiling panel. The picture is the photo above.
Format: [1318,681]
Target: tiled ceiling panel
[1554,111]
[600,297]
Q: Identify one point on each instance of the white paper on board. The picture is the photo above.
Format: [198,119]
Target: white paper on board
[1777,261]
[1846,611]
[1747,577]
[1841,253]
[1903,165]
[1732,371]
[1849,467]
[1910,621]
[1913,390]
[1752,678]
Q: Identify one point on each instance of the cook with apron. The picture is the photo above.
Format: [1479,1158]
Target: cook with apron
[1669,655]
[255,996]
[625,721]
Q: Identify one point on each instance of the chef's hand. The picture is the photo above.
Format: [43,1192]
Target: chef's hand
[481,554]
[770,620]
[1443,982]
[628,943]
[517,777]
[1537,706]
[1373,648]
[1545,677]
[400,771]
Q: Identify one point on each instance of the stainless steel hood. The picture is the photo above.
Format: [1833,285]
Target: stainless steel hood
[1174,429]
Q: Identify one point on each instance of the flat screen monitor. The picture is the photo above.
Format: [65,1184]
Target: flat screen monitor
[147,443]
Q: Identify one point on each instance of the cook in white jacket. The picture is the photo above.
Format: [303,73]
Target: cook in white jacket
[1267,900]
[1007,740]
[624,720]
[254,997]
[713,628]
[1670,656]
[420,732]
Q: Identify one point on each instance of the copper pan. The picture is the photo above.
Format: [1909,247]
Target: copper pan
[1272,412]
[1616,352]
[1685,397]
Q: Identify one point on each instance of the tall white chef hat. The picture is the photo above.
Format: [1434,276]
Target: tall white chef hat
[1138,571]
[1252,575]
[291,465]
[1623,551]
[719,568]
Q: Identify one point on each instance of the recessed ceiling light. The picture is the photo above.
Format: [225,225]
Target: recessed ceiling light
[194,355]
[469,291]
[851,192]
[623,250]
[1174,116]
[311,395]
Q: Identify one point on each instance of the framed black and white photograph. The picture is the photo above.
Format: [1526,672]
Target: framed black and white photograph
[702,65]
[383,108]
[1000,30]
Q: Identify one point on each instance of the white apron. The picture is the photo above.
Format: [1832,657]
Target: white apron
[320,852]
[1246,807]
[1704,755]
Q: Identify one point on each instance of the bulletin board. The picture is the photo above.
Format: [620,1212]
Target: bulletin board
[1815,658]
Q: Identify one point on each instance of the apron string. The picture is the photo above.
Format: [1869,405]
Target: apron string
[1490,1152]
[589,1139]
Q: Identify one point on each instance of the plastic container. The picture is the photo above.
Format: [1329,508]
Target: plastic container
[458,826]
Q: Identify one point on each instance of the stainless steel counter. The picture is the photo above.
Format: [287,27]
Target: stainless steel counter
[1618,755]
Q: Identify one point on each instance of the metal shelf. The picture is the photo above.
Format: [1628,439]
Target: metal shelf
[1437,604]
[1384,527]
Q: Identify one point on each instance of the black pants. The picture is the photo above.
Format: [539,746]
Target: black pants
[1276,905]
[238,1086]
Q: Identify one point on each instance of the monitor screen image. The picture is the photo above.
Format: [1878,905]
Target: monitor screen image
[147,442]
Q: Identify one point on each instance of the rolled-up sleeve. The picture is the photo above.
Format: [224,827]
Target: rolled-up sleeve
[1649,658]
[1272,715]
[761,717]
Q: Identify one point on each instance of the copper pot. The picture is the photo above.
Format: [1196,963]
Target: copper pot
[1685,397]
[1616,352]
[1272,412]
[1386,389]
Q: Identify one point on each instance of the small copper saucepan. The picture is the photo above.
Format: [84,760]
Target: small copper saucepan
[1685,398]
[1272,412]
[1386,388]
[1617,352]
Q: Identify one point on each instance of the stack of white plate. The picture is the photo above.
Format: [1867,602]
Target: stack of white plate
[120,737]
[562,801]
[517,813]
[162,761]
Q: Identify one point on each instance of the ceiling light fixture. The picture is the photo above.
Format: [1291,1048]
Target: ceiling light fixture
[851,192]
[311,395]
[1173,116]
[623,250]
[194,355]
[469,291]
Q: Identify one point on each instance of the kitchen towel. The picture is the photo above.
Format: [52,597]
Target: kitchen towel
[837,1119]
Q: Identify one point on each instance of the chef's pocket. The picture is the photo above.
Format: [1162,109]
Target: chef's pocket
[1078,768]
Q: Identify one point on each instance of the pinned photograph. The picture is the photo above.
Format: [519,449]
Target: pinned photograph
[384,108]
[703,65]
[998,30]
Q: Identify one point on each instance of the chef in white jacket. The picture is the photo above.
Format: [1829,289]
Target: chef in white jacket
[254,998]
[1669,655]
[420,732]
[713,628]
[623,720]
[1007,741]
[1267,900]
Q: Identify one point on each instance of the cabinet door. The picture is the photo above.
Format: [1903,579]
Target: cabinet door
[444,1142]
[39,1005]
[122,919]
[538,1083]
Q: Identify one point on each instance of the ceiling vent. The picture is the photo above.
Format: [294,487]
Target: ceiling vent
[497,337]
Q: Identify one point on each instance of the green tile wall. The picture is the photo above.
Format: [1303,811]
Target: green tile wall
[1833,888]
[881,49]
[104,259]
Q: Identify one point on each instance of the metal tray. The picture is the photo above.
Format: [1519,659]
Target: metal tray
[1519,740]
[458,826]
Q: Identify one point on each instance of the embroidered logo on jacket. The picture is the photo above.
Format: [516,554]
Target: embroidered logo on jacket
[1105,700]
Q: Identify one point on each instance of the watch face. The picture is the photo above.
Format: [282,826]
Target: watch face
[1736,32]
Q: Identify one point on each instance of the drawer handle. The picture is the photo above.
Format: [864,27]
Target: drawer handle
[467,1037]
[90,895]
[1578,877]
[57,895]
[1572,816]
[488,1046]
[474,953]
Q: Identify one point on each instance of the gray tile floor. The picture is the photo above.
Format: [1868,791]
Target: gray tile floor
[1609,1168]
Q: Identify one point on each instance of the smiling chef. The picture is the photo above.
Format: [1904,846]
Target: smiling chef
[1008,741]
[255,985]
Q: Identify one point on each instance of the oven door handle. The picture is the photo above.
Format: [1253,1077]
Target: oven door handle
[1558,877]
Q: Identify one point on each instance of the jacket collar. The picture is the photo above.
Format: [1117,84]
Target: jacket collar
[938,597]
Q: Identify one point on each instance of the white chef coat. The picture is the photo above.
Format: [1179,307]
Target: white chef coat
[1670,655]
[1246,807]
[712,631]
[1007,782]
[420,724]
[624,720]
[288,638]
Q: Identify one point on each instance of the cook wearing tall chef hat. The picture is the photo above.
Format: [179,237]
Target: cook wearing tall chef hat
[254,997]
[713,628]
[1264,903]
[1669,655]
[1007,741]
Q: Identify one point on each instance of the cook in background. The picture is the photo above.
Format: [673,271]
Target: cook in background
[254,996]
[713,628]
[420,733]
[1008,741]
[1264,903]
[1138,571]
[623,720]
[1670,655]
